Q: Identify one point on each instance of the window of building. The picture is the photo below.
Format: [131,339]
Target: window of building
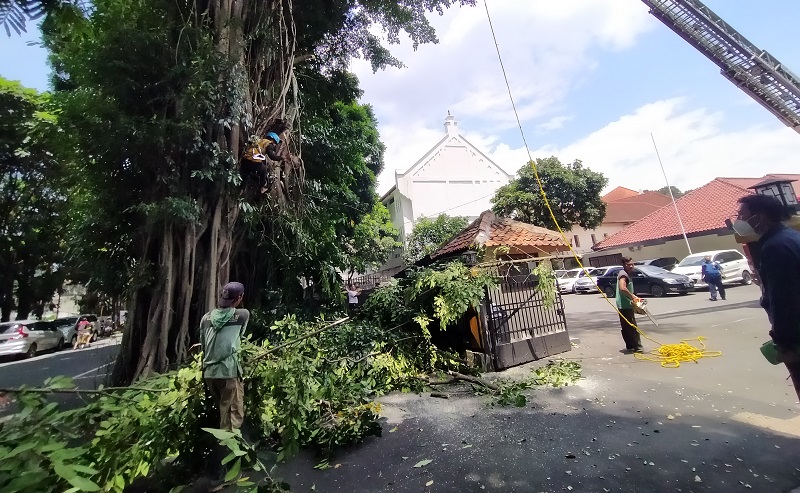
[577,241]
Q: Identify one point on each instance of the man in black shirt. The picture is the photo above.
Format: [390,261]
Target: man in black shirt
[779,271]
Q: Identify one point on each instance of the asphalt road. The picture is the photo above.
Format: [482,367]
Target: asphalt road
[88,367]
[728,423]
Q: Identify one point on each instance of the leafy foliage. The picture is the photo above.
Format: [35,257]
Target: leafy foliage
[33,205]
[676,192]
[105,445]
[374,239]
[557,373]
[430,234]
[14,14]
[572,191]
[457,288]
[317,393]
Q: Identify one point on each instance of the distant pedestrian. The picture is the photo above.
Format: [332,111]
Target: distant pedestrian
[221,331]
[353,293]
[625,301]
[711,273]
[778,268]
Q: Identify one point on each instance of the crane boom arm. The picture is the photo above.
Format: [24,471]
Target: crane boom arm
[754,71]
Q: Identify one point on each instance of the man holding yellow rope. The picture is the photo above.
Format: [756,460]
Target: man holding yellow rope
[625,301]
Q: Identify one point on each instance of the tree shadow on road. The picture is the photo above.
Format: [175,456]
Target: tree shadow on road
[554,444]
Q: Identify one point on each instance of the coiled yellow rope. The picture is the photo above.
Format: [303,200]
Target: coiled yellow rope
[668,355]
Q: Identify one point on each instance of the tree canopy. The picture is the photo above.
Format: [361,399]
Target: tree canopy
[573,192]
[157,103]
[33,206]
[429,234]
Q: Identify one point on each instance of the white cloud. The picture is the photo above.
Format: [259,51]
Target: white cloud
[554,123]
[547,48]
[693,145]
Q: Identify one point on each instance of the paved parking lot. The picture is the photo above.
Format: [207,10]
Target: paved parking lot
[723,424]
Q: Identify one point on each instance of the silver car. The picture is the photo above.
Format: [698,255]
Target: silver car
[27,337]
[68,326]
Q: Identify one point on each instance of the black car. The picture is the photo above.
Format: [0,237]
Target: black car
[647,280]
[664,262]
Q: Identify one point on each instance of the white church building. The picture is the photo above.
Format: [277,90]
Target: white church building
[453,178]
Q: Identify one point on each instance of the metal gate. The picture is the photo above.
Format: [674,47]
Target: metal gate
[520,327]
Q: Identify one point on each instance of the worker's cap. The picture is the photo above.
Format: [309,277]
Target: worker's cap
[230,293]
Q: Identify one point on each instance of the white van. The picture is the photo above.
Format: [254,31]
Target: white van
[734,267]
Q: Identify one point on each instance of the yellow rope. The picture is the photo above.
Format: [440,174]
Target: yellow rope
[668,355]
[672,355]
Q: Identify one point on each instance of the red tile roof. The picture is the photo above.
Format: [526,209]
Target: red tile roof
[489,230]
[619,193]
[631,209]
[703,209]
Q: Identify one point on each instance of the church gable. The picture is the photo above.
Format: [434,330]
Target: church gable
[454,157]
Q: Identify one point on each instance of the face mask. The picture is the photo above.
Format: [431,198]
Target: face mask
[743,228]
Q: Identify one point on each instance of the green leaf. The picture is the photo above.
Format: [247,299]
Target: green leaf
[52,446]
[220,434]
[64,471]
[84,484]
[59,382]
[84,469]
[24,447]
[423,463]
[237,466]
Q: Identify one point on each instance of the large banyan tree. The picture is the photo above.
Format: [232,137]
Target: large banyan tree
[159,100]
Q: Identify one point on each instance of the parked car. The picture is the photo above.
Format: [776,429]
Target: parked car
[734,267]
[27,337]
[588,284]
[647,280]
[566,283]
[667,263]
[68,326]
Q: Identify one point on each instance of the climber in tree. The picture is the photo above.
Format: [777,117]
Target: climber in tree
[262,150]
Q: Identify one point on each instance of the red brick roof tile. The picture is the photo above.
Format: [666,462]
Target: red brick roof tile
[490,231]
[631,209]
[619,193]
[703,209]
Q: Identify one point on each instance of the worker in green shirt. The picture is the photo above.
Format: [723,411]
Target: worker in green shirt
[625,301]
[221,331]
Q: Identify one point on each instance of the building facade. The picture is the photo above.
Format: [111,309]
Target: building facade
[453,178]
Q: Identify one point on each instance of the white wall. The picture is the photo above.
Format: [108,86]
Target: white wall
[454,178]
[675,248]
[585,236]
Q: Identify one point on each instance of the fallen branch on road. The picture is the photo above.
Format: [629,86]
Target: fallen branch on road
[469,378]
[20,390]
[456,377]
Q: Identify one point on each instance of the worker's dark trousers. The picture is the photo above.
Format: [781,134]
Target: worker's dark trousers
[632,338]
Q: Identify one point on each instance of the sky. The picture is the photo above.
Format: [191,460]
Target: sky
[592,80]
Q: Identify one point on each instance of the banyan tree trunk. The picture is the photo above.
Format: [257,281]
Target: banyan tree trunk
[190,261]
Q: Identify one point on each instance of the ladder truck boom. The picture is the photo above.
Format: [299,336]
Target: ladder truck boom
[752,70]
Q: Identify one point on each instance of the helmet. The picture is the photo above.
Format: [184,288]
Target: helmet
[274,136]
